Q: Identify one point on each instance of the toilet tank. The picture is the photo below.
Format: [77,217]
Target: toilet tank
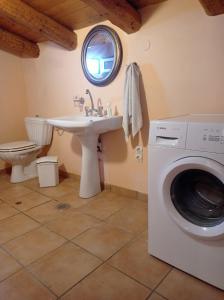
[38,130]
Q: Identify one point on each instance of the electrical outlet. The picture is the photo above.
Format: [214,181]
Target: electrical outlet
[139,153]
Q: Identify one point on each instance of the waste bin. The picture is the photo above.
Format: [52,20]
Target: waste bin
[47,168]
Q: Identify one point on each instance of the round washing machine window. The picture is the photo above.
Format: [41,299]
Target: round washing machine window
[199,197]
[193,195]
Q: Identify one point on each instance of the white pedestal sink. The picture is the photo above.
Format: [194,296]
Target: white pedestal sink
[88,130]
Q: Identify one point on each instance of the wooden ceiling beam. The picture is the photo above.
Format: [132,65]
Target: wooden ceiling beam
[37,22]
[213,7]
[118,12]
[17,45]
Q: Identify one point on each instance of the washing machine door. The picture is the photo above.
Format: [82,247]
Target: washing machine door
[193,195]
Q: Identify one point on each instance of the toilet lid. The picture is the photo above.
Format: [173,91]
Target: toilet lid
[17,146]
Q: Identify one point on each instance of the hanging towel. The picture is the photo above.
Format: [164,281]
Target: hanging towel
[132,113]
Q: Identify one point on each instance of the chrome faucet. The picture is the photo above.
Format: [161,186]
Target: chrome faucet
[92,110]
[91,99]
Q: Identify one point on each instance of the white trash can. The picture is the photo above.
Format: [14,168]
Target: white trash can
[47,168]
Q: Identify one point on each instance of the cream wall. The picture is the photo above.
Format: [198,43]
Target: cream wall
[180,53]
[12,99]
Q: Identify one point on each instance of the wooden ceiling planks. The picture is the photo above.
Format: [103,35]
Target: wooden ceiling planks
[138,4]
[76,14]
[118,12]
[17,45]
[213,7]
[24,15]
[23,23]
[13,27]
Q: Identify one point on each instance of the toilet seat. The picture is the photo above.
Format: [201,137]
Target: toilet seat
[17,146]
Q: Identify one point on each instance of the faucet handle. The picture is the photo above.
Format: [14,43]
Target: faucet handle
[87,110]
[100,111]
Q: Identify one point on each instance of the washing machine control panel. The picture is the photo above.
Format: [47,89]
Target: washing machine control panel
[168,134]
[205,137]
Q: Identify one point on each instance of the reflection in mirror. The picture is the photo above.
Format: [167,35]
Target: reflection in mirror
[101,55]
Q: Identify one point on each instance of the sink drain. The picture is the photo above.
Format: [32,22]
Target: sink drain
[63,206]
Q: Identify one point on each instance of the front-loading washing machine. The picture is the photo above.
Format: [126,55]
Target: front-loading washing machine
[186,194]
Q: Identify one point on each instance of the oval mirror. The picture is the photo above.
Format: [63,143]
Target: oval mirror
[101,55]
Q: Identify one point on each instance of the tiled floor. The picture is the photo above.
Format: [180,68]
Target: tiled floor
[54,245]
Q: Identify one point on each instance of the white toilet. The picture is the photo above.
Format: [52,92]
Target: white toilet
[22,154]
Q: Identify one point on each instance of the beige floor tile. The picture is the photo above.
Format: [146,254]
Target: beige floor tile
[106,283]
[132,218]
[138,204]
[28,201]
[8,265]
[14,192]
[56,191]
[6,211]
[2,175]
[32,184]
[33,245]
[107,194]
[104,205]
[64,267]
[14,226]
[72,224]
[72,182]
[155,296]
[103,240]
[73,200]
[180,286]
[45,212]
[4,185]
[5,177]
[135,261]
[22,286]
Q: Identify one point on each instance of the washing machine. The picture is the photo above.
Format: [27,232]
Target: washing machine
[186,194]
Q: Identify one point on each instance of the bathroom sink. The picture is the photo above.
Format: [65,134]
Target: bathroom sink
[80,124]
[88,130]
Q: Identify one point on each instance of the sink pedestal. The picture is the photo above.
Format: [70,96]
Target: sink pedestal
[90,175]
[88,130]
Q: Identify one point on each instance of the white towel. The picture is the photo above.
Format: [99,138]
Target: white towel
[132,113]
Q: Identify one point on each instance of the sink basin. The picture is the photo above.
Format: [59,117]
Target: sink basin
[88,130]
[80,124]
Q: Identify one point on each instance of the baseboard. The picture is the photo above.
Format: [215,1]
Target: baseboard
[109,187]
[104,186]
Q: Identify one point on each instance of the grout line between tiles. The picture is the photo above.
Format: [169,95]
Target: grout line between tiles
[27,270]
[148,297]
[44,225]
[36,261]
[160,282]
[33,206]
[165,298]
[81,280]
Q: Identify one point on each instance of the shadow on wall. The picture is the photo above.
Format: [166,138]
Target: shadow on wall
[114,146]
[76,146]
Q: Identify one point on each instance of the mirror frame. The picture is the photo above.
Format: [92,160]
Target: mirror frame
[118,54]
